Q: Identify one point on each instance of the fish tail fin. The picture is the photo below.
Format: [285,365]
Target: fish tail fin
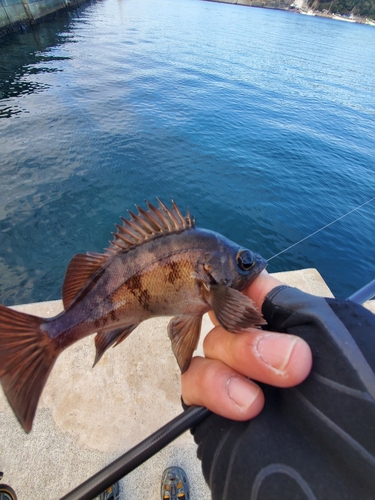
[27,355]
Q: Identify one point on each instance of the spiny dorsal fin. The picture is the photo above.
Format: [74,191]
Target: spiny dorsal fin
[80,269]
[144,226]
[147,225]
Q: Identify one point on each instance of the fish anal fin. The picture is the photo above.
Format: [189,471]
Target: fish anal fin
[184,333]
[235,311]
[27,355]
[80,269]
[104,340]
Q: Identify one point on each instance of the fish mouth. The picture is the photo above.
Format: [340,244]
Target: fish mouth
[260,263]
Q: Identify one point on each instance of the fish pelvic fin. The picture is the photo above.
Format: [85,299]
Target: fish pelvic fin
[104,340]
[235,311]
[184,333]
[27,356]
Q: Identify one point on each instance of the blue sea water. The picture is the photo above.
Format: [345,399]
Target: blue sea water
[262,122]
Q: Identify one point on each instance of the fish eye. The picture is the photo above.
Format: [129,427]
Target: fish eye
[245,260]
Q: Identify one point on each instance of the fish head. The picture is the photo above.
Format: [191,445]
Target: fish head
[232,265]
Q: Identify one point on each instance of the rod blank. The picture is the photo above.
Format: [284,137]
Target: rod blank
[365,293]
[137,455]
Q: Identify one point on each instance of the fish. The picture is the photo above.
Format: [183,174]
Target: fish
[158,264]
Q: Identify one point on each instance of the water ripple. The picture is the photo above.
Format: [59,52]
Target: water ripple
[262,122]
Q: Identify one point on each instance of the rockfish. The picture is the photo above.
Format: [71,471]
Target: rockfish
[158,264]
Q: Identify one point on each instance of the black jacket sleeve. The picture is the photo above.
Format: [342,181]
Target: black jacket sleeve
[314,441]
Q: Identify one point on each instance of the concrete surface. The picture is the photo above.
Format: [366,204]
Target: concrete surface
[88,417]
[19,13]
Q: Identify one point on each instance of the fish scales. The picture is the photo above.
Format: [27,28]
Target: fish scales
[158,264]
[160,287]
[145,272]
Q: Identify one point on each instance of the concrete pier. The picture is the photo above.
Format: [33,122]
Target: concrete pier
[88,417]
[15,14]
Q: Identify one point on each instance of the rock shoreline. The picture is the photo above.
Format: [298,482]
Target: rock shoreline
[299,8]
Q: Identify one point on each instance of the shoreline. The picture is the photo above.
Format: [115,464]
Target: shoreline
[298,7]
[336,17]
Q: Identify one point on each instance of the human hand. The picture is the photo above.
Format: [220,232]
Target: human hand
[220,380]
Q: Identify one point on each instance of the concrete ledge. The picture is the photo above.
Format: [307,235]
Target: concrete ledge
[87,418]
[15,15]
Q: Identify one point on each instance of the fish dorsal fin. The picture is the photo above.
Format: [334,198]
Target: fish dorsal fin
[80,269]
[147,225]
[144,226]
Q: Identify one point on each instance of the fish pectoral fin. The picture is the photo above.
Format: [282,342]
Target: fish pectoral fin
[235,311]
[80,269]
[104,340]
[184,334]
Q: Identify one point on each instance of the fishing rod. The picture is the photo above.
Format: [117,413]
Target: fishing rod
[162,437]
[365,293]
[139,454]
[191,417]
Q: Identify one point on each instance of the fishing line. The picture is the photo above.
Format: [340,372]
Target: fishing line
[321,229]
[189,418]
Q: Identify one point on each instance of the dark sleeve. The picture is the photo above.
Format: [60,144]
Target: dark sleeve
[314,441]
